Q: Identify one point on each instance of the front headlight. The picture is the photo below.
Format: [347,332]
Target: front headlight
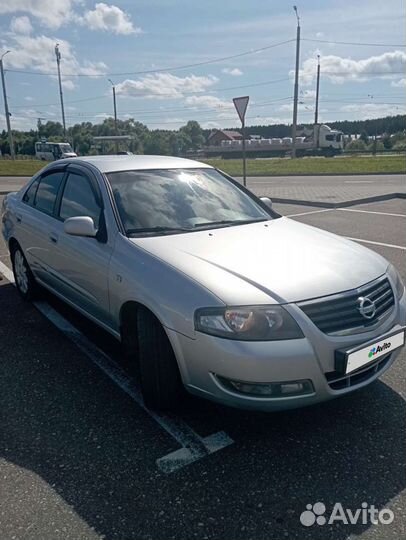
[397,280]
[248,323]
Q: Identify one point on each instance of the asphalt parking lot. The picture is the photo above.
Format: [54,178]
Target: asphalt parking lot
[78,454]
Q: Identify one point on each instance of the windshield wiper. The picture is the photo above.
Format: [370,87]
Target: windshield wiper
[230,222]
[142,230]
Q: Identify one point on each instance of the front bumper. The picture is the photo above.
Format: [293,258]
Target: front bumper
[204,358]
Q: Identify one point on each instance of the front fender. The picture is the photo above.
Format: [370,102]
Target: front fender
[136,275]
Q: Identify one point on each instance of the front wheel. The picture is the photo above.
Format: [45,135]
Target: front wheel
[160,379]
[23,277]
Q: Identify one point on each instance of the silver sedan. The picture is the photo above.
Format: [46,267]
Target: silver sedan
[204,284]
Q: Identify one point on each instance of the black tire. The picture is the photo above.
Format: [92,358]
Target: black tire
[28,288]
[160,379]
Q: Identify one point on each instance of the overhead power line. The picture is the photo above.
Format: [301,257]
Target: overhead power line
[148,94]
[154,112]
[158,70]
[354,43]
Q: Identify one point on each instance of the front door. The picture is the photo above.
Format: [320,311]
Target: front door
[82,263]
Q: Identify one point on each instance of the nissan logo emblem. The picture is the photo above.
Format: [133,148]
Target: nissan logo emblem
[366,307]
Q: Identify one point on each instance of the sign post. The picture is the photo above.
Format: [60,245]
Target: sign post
[241,104]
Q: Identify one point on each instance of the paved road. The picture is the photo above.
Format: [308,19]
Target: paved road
[77,454]
[326,189]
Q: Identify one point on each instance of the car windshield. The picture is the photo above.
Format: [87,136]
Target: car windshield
[65,148]
[179,200]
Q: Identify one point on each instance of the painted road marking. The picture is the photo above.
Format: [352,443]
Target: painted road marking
[311,212]
[376,243]
[7,273]
[371,212]
[193,447]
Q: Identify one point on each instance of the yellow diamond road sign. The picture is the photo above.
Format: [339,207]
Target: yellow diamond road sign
[241,103]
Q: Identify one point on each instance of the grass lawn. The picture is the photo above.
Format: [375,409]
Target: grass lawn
[321,165]
[20,167]
[263,167]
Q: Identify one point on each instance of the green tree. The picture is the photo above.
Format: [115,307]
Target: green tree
[356,145]
[193,133]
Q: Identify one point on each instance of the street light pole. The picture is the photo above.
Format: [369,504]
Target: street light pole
[115,111]
[6,111]
[58,61]
[296,90]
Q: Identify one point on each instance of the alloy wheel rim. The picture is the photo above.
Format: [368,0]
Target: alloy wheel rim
[21,272]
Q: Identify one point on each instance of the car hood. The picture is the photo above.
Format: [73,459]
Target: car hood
[286,260]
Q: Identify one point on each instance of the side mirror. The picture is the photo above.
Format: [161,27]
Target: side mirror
[80,226]
[267,201]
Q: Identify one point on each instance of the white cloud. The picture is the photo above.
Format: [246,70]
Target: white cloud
[211,102]
[373,110]
[67,84]
[29,98]
[55,13]
[21,25]
[307,94]
[235,72]
[401,83]
[164,86]
[339,69]
[110,18]
[38,53]
[50,13]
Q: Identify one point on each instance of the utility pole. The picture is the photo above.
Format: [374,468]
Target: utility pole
[39,125]
[58,62]
[296,90]
[6,111]
[316,110]
[115,111]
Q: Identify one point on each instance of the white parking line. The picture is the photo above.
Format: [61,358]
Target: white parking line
[311,212]
[376,243]
[371,212]
[7,273]
[193,446]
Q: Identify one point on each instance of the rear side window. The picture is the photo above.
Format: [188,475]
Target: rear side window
[78,199]
[47,191]
[29,195]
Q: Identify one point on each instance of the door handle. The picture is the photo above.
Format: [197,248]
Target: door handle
[53,237]
[19,218]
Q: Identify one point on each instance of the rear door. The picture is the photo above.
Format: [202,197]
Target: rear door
[36,220]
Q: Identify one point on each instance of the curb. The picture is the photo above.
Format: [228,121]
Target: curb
[17,175]
[321,204]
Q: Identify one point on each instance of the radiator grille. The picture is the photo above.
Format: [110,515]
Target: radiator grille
[341,312]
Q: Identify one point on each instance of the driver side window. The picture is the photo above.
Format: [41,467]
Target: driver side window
[78,199]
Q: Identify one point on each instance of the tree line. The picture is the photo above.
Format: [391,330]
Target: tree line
[388,125]
[188,138]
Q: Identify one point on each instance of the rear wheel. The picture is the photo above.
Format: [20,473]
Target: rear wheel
[24,278]
[160,379]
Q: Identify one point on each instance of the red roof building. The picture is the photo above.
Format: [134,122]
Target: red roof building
[218,135]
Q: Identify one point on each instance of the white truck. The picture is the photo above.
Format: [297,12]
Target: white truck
[319,140]
[51,151]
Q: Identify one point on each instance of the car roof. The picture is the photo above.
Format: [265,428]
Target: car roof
[117,163]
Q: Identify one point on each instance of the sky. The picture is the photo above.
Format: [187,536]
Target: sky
[176,60]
